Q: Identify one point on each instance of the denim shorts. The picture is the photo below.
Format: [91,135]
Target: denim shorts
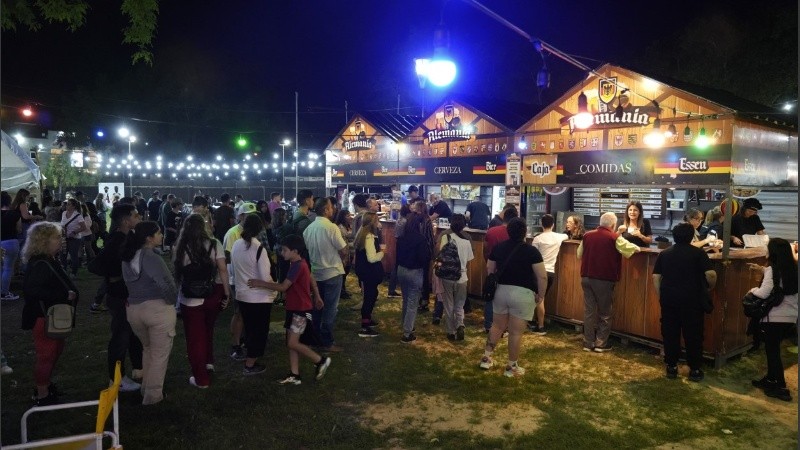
[514,300]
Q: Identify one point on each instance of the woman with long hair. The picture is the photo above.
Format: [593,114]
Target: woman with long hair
[635,227]
[199,256]
[413,259]
[574,228]
[151,305]
[87,236]
[368,268]
[250,261]
[10,228]
[521,284]
[344,220]
[694,217]
[72,221]
[20,204]
[781,270]
[46,284]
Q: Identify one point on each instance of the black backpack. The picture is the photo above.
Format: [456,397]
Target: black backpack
[197,277]
[447,265]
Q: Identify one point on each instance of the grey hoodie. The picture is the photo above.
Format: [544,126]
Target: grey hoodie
[148,278]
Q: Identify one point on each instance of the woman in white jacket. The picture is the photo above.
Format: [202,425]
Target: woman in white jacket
[250,260]
[782,270]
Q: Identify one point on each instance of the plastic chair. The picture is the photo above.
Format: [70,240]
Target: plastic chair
[106,404]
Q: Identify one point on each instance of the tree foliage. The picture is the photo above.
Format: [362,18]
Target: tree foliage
[142,15]
[60,173]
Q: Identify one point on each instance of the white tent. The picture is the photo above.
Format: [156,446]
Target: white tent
[18,169]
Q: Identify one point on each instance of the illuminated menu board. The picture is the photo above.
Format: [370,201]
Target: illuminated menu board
[596,201]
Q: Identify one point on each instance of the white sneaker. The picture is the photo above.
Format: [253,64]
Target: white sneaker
[514,371]
[6,370]
[486,363]
[128,385]
[10,296]
[210,367]
[193,382]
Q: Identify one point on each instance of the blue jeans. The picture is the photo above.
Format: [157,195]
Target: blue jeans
[325,319]
[11,246]
[411,286]
[488,315]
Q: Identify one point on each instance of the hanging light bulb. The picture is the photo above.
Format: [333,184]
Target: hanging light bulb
[671,131]
[702,142]
[584,118]
[655,138]
[522,144]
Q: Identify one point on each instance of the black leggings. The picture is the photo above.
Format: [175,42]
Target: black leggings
[255,317]
[773,334]
[370,297]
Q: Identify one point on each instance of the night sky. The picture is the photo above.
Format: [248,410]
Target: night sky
[233,68]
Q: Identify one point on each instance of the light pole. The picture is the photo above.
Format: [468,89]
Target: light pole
[283,166]
[124,133]
[296,190]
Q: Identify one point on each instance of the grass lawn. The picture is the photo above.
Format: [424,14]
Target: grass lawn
[380,393]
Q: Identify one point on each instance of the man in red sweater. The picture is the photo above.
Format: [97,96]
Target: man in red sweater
[601,264]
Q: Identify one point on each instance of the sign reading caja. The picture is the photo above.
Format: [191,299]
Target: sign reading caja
[540,169]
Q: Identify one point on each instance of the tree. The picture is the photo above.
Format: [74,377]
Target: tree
[59,174]
[142,15]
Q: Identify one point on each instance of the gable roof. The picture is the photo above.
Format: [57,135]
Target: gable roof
[395,126]
[507,114]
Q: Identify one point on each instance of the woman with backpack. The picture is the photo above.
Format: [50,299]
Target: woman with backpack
[202,276]
[450,266]
[781,272]
[368,269]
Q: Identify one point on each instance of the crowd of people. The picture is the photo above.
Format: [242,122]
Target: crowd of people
[250,255]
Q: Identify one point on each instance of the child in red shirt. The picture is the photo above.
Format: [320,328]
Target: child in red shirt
[299,287]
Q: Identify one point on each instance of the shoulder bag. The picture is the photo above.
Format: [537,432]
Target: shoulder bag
[758,308]
[490,286]
[59,318]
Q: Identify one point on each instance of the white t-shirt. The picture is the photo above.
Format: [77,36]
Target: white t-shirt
[465,254]
[245,267]
[72,226]
[548,243]
[216,253]
[88,221]
[324,240]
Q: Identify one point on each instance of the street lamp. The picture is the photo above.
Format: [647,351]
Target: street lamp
[296,190]
[283,166]
[124,133]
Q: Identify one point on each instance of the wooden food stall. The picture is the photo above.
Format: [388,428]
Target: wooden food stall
[701,141]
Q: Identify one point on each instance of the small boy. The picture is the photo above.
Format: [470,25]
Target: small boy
[299,287]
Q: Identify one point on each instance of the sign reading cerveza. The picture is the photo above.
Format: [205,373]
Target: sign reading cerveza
[489,169]
[675,166]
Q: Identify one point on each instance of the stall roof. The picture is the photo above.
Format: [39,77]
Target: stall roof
[511,115]
[395,126]
[743,107]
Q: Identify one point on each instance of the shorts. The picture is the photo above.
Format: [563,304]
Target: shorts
[514,300]
[297,321]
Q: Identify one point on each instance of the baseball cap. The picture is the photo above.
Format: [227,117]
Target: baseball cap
[752,203]
[246,208]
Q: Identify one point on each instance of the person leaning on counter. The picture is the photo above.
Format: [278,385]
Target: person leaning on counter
[439,208]
[636,229]
[746,222]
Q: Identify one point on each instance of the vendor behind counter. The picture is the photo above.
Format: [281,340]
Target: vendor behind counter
[746,221]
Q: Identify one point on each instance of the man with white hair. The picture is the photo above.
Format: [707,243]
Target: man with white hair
[439,208]
[601,265]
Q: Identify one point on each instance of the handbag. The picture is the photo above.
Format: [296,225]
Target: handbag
[757,308]
[490,286]
[59,318]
